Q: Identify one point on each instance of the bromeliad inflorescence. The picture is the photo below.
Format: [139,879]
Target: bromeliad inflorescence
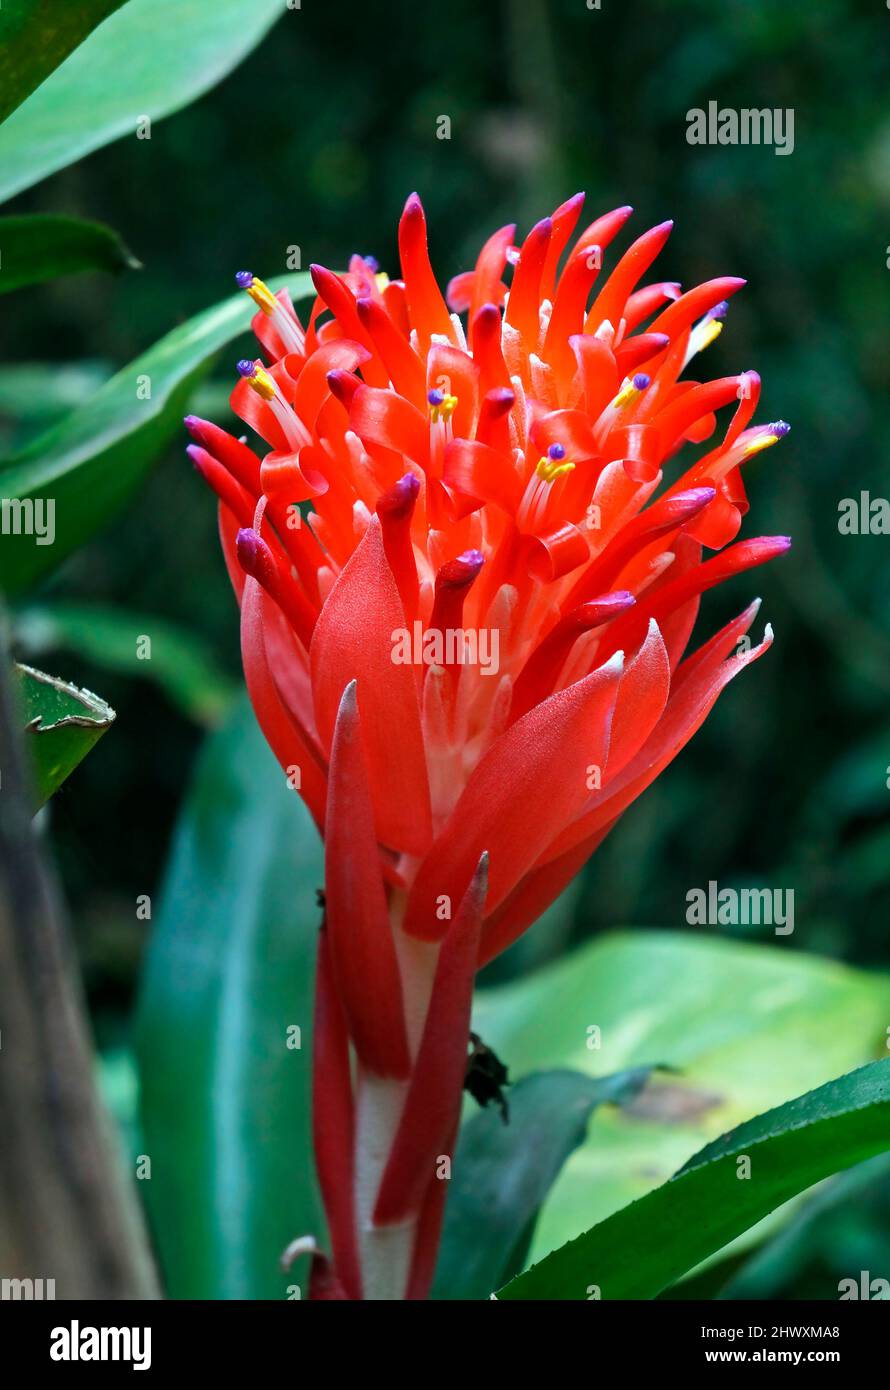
[513,476]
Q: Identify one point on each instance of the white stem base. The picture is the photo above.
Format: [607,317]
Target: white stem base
[385,1251]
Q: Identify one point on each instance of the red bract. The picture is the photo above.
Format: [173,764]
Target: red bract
[469,648]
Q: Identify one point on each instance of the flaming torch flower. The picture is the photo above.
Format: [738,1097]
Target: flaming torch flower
[469,568]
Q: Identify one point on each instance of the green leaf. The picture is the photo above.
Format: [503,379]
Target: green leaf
[43,247]
[642,1249]
[35,36]
[38,393]
[503,1172]
[149,59]
[747,1027]
[90,462]
[225,1100]
[62,723]
[179,661]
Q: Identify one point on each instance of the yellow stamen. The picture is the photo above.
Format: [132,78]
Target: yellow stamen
[628,392]
[263,384]
[262,296]
[445,410]
[762,441]
[711,330]
[548,470]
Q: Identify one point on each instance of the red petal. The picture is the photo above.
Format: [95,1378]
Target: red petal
[532,782]
[363,952]
[609,303]
[353,639]
[525,292]
[288,742]
[333,1119]
[429,313]
[642,696]
[530,898]
[487,285]
[432,1106]
[382,417]
[696,686]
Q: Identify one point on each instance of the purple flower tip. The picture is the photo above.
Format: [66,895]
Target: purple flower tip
[245,367]
[780,429]
[641,381]
[436,397]
[372,263]
[556,451]
[409,484]
[473,559]
[248,545]
[720,310]
[244,279]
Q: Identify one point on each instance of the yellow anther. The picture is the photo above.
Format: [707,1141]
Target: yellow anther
[262,296]
[444,409]
[762,441]
[263,384]
[548,470]
[711,330]
[628,392]
[381,279]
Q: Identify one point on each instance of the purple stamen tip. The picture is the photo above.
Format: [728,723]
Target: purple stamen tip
[720,310]
[473,559]
[248,546]
[556,451]
[780,429]
[372,263]
[641,381]
[244,279]
[436,397]
[409,484]
[245,367]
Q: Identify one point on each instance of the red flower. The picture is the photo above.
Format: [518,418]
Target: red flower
[470,652]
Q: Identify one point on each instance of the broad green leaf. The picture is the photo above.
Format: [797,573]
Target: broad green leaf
[135,644]
[89,463]
[43,247]
[502,1173]
[38,393]
[149,59]
[225,1099]
[62,723]
[840,1229]
[643,1248]
[36,35]
[747,1027]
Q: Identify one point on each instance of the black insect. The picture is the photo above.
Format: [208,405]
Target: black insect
[485,1076]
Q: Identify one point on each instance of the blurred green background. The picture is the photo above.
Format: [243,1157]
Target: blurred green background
[315,141]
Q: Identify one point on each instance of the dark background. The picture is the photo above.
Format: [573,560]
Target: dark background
[315,141]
